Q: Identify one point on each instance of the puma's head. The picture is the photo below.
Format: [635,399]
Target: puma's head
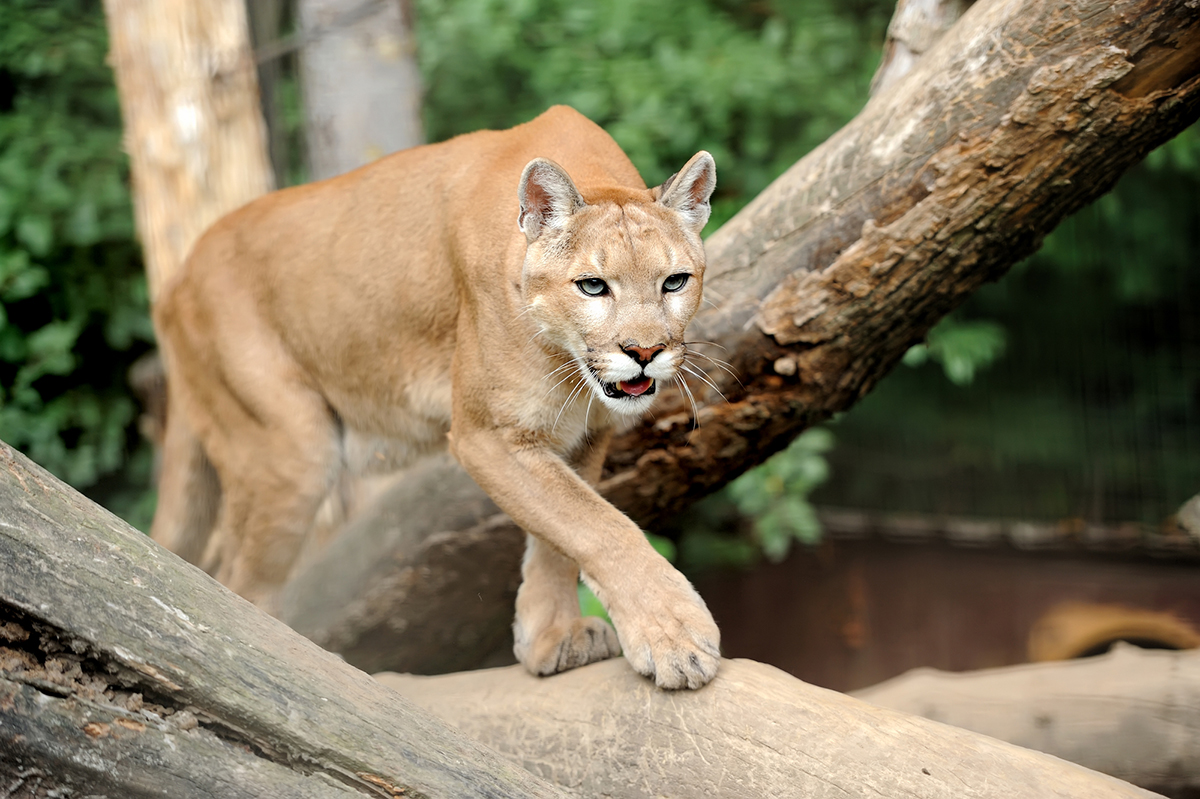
[613,281]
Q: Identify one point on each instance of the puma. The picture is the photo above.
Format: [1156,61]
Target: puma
[516,294]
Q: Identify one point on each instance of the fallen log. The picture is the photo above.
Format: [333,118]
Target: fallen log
[1133,713]
[753,732]
[126,672]
[124,669]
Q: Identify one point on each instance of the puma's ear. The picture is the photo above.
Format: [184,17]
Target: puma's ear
[687,191]
[548,196]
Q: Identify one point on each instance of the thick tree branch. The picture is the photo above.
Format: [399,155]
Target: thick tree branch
[1021,114]
[125,670]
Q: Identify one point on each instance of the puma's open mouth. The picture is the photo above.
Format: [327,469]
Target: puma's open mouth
[630,388]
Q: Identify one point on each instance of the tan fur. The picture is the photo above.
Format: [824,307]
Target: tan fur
[355,324]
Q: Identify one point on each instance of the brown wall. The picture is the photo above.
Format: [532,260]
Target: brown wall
[849,614]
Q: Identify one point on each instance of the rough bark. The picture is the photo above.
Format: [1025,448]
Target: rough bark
[362,90]
[1133,713]
[126,671]
[754,732]
[1022,113]
[193,128]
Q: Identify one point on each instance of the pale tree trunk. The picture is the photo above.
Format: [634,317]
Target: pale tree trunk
[126,672]
[362,90]
[193,128]
[1022,112]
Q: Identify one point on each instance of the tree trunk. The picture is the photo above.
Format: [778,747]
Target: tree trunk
[193,127]
[362,90]
[179,688]
[1022,113]
[1133,713]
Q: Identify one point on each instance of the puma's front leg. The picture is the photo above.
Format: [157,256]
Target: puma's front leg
[549,634]
[663,625]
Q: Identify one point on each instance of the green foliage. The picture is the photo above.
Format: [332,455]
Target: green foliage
[961,347]
[758,85]
[1094,409]
[775,494]
[73,305]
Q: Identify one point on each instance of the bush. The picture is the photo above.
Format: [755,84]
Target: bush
[73,303]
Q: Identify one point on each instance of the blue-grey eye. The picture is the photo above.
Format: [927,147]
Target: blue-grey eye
[592,286]
[675,282]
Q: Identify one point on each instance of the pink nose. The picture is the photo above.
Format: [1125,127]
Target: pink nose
[643,355]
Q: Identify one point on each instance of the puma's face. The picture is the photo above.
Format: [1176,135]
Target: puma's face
[614,284]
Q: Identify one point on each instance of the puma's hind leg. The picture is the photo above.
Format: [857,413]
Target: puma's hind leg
[550,635]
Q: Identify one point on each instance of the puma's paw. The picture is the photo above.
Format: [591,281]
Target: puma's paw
[560,647]
[677,644]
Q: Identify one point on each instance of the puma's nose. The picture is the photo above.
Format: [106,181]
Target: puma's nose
[643,355]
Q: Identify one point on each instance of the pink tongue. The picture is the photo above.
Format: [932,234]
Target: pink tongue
[635,387]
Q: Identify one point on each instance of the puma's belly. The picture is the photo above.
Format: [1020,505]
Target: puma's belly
[385,431]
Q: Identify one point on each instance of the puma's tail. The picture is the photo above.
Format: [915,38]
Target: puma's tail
[189,492]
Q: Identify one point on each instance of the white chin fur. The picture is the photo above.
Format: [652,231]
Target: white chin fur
[626,406]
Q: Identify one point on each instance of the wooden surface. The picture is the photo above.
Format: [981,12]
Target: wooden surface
[753,732]
[107,614]
[1133,713]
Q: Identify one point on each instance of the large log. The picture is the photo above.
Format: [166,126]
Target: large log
[1022,113]
[1133,713]
[753,732]
[126,670]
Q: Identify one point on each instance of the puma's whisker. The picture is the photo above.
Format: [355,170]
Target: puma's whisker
[581,385]
[692,399]
[724,366]
[704,378]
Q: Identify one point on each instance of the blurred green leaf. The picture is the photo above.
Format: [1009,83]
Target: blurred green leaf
[73,308]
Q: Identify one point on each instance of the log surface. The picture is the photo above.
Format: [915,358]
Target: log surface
[753,732]
[1132,713]
[93,613]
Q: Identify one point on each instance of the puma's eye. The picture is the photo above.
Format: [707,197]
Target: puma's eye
[592,286]
[675,282]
